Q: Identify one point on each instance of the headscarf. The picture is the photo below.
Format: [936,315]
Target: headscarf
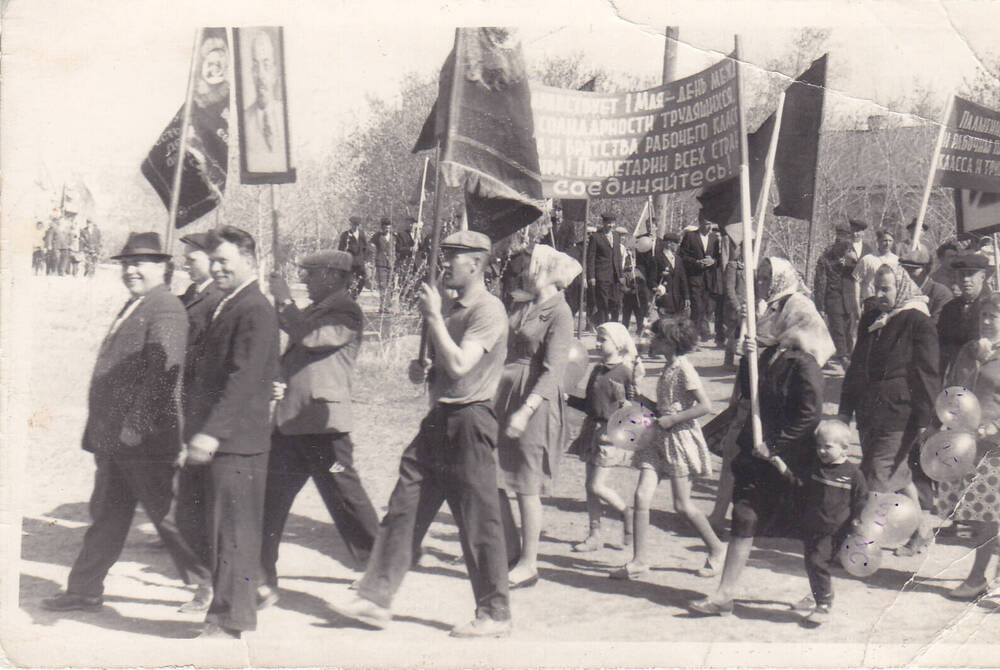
[789,317]
[620,337]
[908,296]
[561,268]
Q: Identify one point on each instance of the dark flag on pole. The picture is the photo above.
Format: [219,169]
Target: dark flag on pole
[484,127]
[206,155]
[795,157]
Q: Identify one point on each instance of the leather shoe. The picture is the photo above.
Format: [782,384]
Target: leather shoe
[213,631]
[68,602]
[266,596]
[967,591]
[200,602]
[711,608]
[483,627]
[365,611]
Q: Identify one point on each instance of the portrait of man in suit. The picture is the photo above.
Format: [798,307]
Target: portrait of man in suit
[262,103]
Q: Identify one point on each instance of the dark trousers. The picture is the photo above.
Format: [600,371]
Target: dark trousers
[236,499]
[635,303]
[606,301]
[839,323]
[360,276]
[191,511]
[122,481]
[65,262]
[702,306]
[819,553]
[451,459]
[719,304]
[329,460]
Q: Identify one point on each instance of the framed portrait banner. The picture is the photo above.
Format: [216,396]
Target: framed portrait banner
[262,105]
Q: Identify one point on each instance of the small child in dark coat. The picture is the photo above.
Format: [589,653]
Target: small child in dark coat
[835,492]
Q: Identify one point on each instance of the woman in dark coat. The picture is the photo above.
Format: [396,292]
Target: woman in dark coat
[891,384]
[796,346]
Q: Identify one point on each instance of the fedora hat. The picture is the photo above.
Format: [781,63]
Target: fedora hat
[142,244]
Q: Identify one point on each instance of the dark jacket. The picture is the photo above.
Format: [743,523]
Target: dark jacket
[199,306]
[834,494]
[358,248]
[672,277]
[939,296]
[604,260]
[383,250]
[235,368]
[892,379]
[958,324]
[691,251]
[135,390]
[833,282]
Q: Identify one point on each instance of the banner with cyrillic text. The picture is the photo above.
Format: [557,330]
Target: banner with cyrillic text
[970,151]
[675,137]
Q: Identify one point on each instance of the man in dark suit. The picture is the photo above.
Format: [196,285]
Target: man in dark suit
[313,419]
[227,426]
[383,244]
[700,251]
[666,276]
[959,320]
[133,428]
[353,242]
[604,269]
[190,507]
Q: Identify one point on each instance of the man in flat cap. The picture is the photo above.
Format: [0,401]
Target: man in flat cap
[313,420]
[604,270]
[701,253]
[200,299]
[959,320]
[134,426]
[353,241]
[867,267]
[833,291]
[918,264]
[384,252]
[452,457]
[227,426]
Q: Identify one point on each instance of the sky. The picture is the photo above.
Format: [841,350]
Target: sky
[88,85]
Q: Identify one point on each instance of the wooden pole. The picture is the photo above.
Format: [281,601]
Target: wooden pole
[765,189]
[812,213]
[275,255]
[669,74]
[930,173]
[746,215]
[581,315]
[175,192]
[996,256]
[423,186]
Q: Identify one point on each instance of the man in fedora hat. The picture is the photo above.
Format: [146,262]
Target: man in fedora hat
[227,426]
[451,458]
[313,419]
[353,242]
[134,426]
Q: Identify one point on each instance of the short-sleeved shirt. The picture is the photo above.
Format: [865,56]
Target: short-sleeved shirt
[482,318]
[864,271]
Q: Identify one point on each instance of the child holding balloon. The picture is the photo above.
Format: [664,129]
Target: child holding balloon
[674,447]
[612,384]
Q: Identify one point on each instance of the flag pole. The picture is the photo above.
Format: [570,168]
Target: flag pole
[996,255]
[930,173]
[745,215]
[423,186]
[175,192]
[275,263]
[581,315]
[765,190]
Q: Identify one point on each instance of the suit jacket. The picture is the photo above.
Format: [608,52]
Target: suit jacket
[892,379]
[135,391]
[957,324]
[324,339]
[199,306]
[604,260]
[672,276]
[692,250]
[833,283]
[358,248]
[404,246]
[383,250]
[235,367]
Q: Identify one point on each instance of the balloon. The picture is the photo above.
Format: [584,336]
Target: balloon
[958,408]
[627,425]
[861,556]
[897,515]
[576,365]
[644,244]
[948,455]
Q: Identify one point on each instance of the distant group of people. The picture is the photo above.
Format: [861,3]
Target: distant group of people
[206,398]
[399,257]
[68,245]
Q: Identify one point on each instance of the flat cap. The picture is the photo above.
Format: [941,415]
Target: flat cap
[608,217]
[385,221]
[857,225]
[355,220]
[467,240]
[196,240]
[328,258]
[970,262]
[884,233]
[915,258]
[671,237]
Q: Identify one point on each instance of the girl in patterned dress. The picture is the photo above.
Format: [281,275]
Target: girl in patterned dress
[612,385]
[674,447]
[975,499]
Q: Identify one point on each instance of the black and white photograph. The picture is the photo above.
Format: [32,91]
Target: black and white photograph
[576,334]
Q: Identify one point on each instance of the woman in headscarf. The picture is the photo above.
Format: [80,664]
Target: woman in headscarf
[796,346]
[529,404]
[891,384]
